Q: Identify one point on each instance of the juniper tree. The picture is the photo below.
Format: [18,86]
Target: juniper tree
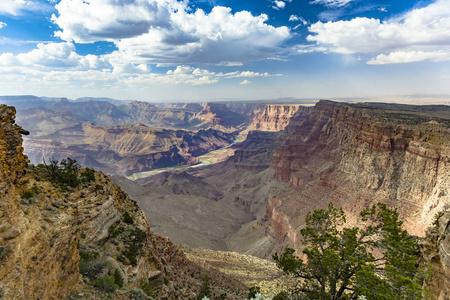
[376,260]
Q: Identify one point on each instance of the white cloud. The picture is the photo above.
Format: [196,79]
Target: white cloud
[12,7]
[53,56]
[166,32]
[16,7]
[83,21]
[411,56]
[245,82]
[2,24]
[295,18]
[332,3]
[58,63]
[426,29]
[279,4]
[252,74]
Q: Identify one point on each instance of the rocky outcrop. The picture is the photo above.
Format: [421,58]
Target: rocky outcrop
[56,240]
[435,253]
[218,114]
[13,162]
[356,156]
[275,117]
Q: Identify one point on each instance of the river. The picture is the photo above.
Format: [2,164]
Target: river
[211,157]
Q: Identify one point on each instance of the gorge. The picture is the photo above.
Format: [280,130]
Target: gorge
[291,160]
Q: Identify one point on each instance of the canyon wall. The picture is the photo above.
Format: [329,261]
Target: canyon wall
[355,156]
[435,252]
[56,239]
[124,149]
[275,117]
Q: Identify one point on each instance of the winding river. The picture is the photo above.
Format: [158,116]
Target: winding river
[205,159]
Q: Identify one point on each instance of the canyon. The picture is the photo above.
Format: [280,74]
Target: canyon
[57,241]
[291,159]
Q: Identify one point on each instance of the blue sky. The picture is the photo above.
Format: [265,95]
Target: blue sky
[166,50]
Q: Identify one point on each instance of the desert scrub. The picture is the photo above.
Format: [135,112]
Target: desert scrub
[35,190]
[145,286]
[91,265]
[106,284]
[127,218]
[113,232]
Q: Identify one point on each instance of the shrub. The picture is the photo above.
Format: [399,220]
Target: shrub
[35,190]
[87,175]
[281,296]
[118,279]
[127,218]
[205,290]
[145,286]
[253,291]
[106,283]
[139,294]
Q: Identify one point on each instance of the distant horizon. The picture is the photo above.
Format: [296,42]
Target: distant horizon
[416,99]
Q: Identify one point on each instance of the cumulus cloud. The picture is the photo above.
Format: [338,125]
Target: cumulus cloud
[2,24]
[54,55]
[411,56]
[167,32]
[332,3]
[59,63]
[245,82]
[16,7]
[279,4]
[427,27]
[83,21]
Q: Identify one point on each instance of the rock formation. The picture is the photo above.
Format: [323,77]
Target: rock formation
[275,117]
[122,149]
[435,252]
[59,240]
[357,155]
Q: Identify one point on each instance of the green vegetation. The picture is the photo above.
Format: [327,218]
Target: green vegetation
[28,194]
[145,286]
[92,267]
[115,232]
[106,284]
[118,279]
[374,261]
[127,218]
[205,291]
[91,264]
[139,294]
[87,175]
[66,173]
[253,291]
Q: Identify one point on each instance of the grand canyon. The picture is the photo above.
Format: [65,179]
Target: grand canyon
[201,180]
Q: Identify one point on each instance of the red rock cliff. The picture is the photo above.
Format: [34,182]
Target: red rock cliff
[275,117]
[355,157]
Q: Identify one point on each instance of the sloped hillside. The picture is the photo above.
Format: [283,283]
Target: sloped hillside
[69,232]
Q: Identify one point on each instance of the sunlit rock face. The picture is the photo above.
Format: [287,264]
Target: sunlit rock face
[275,117]
[45,228]
[435,252]
[358,155]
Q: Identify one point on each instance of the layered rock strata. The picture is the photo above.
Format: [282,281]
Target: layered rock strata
[56,239]
[435,253]
[125,149]
[275,117]
[355,156]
